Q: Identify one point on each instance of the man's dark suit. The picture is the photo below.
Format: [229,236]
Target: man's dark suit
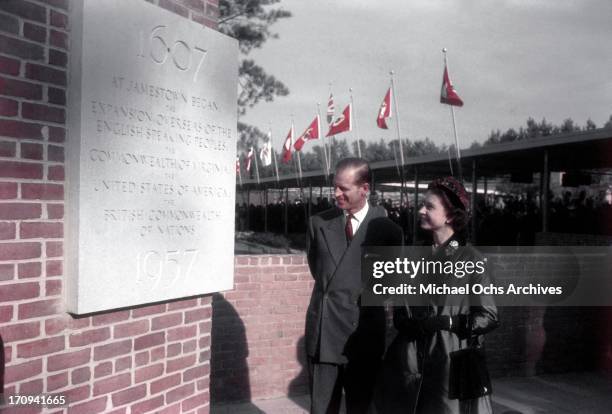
[339,332]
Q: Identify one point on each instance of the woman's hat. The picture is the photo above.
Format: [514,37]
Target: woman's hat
[454,189]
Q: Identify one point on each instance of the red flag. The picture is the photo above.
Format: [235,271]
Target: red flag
[249,159]
[312,132]
[385,111]
[448,95]
[287,147]
[342,123]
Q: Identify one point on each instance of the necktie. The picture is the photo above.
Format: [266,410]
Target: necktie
[348,229]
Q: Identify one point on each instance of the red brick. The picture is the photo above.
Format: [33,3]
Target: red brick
[142,358]
[130,329]
[55,173]
[190,346]
[9,24]
[18,129]
[55,153]
[180,363]
[194,402]
[31,151]
[90,407]
[34,32]
[57,381]
[148,310]
[171,409]
[21,49]
[26,270]
[148,341]
[60,4]
[7,271]
[183,332]
[198,315]
[109,318]
[20,89]
[174,8]
[58,19]
[54,249]
[41,347]
[20,169]
[74,395]
[25,9]
[31,191]
[129,395]
[57,134]
[166,321]
[147,405]
[204,342]
[58,39]
[147,373]
[43,113]
[180,393]
[54,268]
[108,385]
[112,350]
[89,337]
[54,326]
[36,229]
[158,353]
[46,74]
[182,304]
[38,308]
[20,331]
[8,107]
[55,211]
[32,387]
[68,360]
[56,96]
[80,375]
[9,66]
[20,211]
[196,372]
[14,373]
[123,363]
[53,287]
[173,350]
[165,383]
[8,190]
[6,314]
[8,231]
[103,369]
[19,291]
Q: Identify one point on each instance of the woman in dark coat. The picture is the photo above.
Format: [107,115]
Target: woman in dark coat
[418,360]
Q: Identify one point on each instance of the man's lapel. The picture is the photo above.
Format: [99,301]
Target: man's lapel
[335,237]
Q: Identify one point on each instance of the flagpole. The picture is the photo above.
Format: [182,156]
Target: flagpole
[353,120]
[450,161]
[454,125]
[397,120]
[273,153]
[255,155]
[321,138]
[329,121]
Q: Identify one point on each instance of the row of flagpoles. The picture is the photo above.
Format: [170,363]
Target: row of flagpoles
[345,122]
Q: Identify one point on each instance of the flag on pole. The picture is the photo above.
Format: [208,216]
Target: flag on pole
[287,147]
[342,123]
[265,155]
[249,158]
[385,111]
[449,95]
[312,132]
[330,108]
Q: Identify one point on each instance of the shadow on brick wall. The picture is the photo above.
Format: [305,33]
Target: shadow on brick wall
[229,380]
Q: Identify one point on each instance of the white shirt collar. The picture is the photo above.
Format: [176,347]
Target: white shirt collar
[358,217]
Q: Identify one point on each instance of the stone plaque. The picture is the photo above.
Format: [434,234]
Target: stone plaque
[151,157]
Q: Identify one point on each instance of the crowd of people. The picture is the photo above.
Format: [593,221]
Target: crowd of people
[511,219]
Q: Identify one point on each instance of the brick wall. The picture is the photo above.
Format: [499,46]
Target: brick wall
[258,328]
[130,360]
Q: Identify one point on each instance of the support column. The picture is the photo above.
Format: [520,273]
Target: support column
[415,215]
[544,192]
[486,195]
[473,201]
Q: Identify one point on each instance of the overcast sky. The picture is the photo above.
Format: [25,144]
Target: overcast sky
[508,60]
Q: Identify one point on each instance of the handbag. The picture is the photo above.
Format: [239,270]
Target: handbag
[469,376]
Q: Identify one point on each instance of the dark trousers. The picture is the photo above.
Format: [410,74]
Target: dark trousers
[327,381]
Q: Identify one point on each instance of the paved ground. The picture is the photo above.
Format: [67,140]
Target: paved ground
[575,393]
